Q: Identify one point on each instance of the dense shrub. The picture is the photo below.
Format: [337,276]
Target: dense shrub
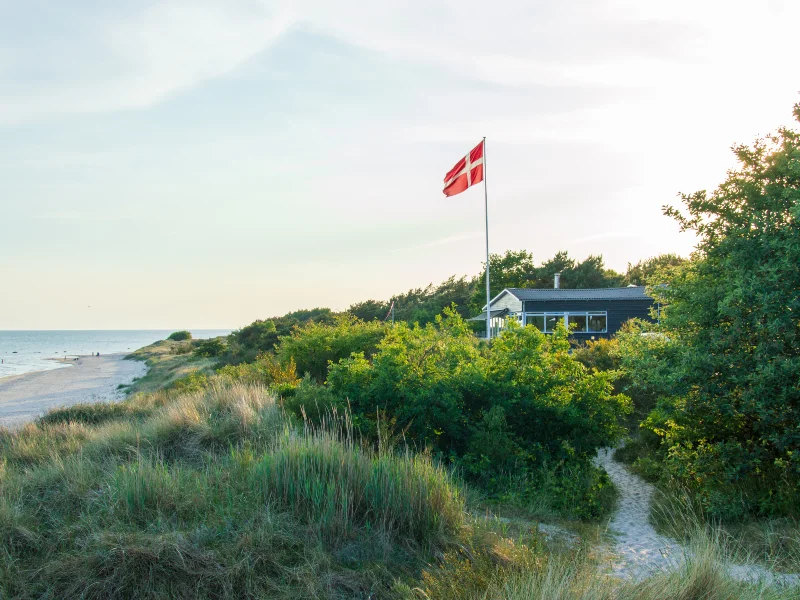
[245,344]
[310,401]
[266,370]
[210,348]
[180,336]
[514,405]
[313,346]
[621,355]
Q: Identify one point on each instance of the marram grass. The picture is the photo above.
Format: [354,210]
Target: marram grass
[212,494]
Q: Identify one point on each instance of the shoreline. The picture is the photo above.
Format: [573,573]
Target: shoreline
[27,396]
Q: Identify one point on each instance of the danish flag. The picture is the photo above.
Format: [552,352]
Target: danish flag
[468,171]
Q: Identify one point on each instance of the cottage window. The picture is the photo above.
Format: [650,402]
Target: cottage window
[552,320]
[598,322]
[579,322]
[537,320]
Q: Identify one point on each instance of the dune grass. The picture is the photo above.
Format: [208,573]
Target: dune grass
[211,494]
[168,361]
[578,576]
[770,543]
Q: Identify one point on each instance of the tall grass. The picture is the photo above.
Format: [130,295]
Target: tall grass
[771,543]
[576,576]
[211,494]
[332,481]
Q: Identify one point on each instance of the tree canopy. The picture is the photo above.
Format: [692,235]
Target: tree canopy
[732,315]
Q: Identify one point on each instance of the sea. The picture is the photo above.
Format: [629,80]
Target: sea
[27,351]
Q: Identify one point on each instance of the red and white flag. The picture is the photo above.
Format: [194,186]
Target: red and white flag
[468,171]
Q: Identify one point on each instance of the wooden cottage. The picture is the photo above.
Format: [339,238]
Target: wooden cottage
[590,314]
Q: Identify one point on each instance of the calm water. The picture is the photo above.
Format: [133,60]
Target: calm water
[25,351]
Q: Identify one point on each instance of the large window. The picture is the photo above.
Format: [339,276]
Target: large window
[598,322]
[578,322]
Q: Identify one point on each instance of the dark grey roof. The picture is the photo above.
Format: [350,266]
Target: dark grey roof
[626,293]
[495,313]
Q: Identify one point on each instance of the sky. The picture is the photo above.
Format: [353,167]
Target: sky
[205,163]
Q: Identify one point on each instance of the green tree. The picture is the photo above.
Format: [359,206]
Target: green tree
[730,429]
[587,274]
[423,305]
[369,310]
[658,267]
[512,269]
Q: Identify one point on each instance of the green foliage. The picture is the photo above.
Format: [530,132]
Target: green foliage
[210,348]
[513,405]
[309,401]
[265,370]
[247,343]
[515,268]
[213,494]
[369,310]
[193,382]
[587,274]
[422,305]
[313,346]
[655,270]
[730,356]
[180,336]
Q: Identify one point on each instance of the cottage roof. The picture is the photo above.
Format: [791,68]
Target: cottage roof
[626,293]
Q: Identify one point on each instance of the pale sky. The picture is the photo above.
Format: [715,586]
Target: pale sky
[206,163]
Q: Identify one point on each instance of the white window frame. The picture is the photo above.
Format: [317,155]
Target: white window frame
[565,318]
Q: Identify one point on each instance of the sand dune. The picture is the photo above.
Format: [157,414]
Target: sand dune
[89,379]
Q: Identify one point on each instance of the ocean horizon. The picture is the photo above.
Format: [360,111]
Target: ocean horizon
[29,351]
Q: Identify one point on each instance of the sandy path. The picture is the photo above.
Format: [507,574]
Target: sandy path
[90,379]
[639,551]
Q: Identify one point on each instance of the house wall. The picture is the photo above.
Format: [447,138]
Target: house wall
[507,301]
[618,311]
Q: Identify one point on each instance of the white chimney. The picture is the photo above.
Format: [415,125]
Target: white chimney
[557,282]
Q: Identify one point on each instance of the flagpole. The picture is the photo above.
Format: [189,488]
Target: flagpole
[486,213]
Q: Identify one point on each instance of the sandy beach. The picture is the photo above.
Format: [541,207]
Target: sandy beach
[89,379]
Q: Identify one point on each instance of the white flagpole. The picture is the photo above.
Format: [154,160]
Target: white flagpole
[486,209]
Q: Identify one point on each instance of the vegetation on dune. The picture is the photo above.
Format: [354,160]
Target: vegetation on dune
[212,494]
[179,336]
[169,362]
[514,268]
[219,494]
[314,346]
[521,417]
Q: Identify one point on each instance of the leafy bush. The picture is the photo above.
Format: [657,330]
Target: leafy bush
[726,360]
[210,348]
[180,336]
[266,370]
[311,401]
[313,346]
[193,382]
[260,336]
[514,405]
